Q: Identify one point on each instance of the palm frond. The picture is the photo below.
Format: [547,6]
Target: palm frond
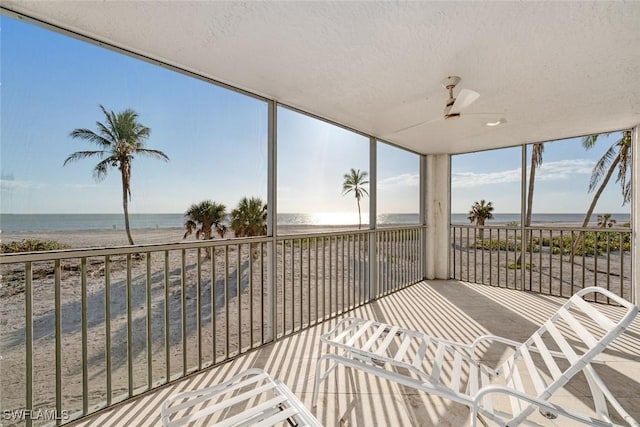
[601,167]
[190,226]
[111,121]
[78,155]
[100,170]
[589,141]
[157,154]
[536,154]
[90,136]
[107,133]
[626,192]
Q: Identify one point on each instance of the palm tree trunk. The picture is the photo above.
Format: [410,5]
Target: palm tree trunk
[596,196]
[527,220]
[359,215]
[125,206]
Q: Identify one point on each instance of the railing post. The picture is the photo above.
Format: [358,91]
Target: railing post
[635,215]
[28,311]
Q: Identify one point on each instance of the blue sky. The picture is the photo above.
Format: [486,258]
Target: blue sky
[561,182]
[216,140]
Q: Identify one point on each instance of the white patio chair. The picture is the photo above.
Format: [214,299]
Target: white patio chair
[564,345]
[248,398]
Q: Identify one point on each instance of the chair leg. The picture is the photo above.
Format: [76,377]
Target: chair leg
[320,378]
[474,416]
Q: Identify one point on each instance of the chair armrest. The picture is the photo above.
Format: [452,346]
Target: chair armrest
[515,344]
[542,404]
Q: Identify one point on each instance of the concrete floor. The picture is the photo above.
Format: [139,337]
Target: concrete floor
[450,309]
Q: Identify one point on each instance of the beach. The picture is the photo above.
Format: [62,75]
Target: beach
[212,303]
[110,238]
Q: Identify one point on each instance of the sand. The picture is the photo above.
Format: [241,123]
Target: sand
[185,277]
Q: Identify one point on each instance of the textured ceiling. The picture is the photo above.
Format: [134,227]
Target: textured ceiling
[552,69]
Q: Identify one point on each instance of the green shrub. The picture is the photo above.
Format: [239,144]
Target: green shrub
[515,266]
[503,245]
[31,245]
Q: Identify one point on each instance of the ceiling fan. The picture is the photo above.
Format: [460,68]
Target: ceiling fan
[454,105]
[465,98]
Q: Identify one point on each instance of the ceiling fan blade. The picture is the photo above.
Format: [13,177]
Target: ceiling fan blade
[416,125]
[408,127]
[465,98]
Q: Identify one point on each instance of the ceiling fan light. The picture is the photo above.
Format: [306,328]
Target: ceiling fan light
[496,123]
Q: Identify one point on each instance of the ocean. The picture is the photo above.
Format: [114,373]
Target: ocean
[53,222]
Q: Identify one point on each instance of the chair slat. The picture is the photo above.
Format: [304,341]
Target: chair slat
[252,419]
[472,384]
[358,333]
[547,357]
[206,394]
[457,371]
[208,410]
[250,413]
[565,347]
[603,321]
[391,333]
[437,363]
[513,380]
[485,380]
[381,328]
[537,380]
[578,328]
[276,418]
[406,342]
[424,344]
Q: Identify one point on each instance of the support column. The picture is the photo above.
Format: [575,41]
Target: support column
[423,216]
[374,289]
[438,214]
[635,215]
[272,222]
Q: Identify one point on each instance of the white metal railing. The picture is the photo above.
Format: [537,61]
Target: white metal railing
[91,327]
[550,260]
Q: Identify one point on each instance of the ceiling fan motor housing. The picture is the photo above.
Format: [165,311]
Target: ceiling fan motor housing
[450,82]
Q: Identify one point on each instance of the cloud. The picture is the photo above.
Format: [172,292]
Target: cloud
[473,179]
[564,169]
[18,185]
[11,184]
[404,180]
[551,171]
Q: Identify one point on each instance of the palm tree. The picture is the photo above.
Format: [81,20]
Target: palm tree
[120,139]
[479,213]
[354,181]
[249,218]
[605,221]
[204,217]
[617,157]
[536,161]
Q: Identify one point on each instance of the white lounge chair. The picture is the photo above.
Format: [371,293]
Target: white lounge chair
[564,345]
[248,398]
